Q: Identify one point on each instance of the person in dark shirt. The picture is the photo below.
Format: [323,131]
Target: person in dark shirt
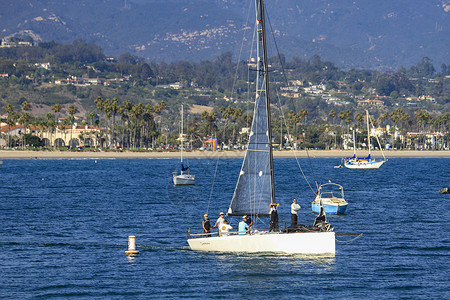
[249,222]
[274,217]
[206,224]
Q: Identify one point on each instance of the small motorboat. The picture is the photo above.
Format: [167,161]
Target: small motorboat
[331,195]
[444,191]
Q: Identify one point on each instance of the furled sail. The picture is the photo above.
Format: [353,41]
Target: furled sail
[254,190]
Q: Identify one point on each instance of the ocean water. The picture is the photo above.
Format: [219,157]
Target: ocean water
[64,227]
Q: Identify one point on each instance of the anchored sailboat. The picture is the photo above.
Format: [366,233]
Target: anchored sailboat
[182,178]
[368,162]
[254,192]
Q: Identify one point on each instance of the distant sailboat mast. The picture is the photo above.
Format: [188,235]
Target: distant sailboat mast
[368,132]
[182,139]
[354,144]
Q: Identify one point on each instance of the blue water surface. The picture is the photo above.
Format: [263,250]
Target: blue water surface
[64,226]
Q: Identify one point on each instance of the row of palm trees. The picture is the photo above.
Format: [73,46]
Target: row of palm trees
[133,125]
[137,128]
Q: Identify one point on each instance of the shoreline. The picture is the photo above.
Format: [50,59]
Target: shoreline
[19,154]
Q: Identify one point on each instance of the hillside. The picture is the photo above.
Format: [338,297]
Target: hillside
[382,35]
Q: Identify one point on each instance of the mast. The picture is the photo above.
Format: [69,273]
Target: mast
[181,139]
[368,132]
[255,190]
[354,144]
[262,42]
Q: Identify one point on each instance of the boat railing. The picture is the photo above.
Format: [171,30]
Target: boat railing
[219,233]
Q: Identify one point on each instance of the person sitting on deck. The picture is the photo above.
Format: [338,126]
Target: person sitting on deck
[225,228]
[321,218]
[243,226]
[249,222]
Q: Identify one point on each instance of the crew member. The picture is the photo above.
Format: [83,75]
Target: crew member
[294,210]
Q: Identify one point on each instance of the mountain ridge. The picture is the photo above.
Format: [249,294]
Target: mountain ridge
[353,34]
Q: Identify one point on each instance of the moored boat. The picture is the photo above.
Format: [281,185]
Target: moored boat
[367,162]
[183,178]
[331,196]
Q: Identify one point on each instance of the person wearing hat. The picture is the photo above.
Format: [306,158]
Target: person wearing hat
[219,221]
[243,226]
[274,217]
[206,224]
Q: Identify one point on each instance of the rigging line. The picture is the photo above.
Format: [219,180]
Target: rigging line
[212,187]
[312,169]
[376,136]
[295,152]
[242,46]
[282,113]
[348,242]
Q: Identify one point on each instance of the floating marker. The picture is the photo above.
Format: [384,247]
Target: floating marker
[131,246]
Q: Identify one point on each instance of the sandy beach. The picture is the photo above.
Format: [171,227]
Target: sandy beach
[17,154]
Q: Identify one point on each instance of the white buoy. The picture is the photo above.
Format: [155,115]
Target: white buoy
[131,246]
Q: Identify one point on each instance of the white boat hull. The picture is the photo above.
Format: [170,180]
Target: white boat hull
[293,243]
[183,179]
[364,164]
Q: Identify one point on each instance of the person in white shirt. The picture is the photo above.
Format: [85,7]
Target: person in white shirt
[219,221]
[225,228]
[294,210]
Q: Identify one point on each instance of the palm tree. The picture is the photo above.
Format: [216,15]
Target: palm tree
[360,118]
[24,120]
[332,114]
[10,111]
[57,109]
[226,112]
[50,123]
[114,107]
[72,110]
[137,111]
[303,114]
[26,117]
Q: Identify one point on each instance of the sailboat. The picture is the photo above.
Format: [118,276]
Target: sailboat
[182,178]
[255,192]
[368,162]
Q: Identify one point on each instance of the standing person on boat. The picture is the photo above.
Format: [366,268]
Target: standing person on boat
[206,224]
[243,226]
[294,210]
[274,217]
[225,228]
[219,221]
